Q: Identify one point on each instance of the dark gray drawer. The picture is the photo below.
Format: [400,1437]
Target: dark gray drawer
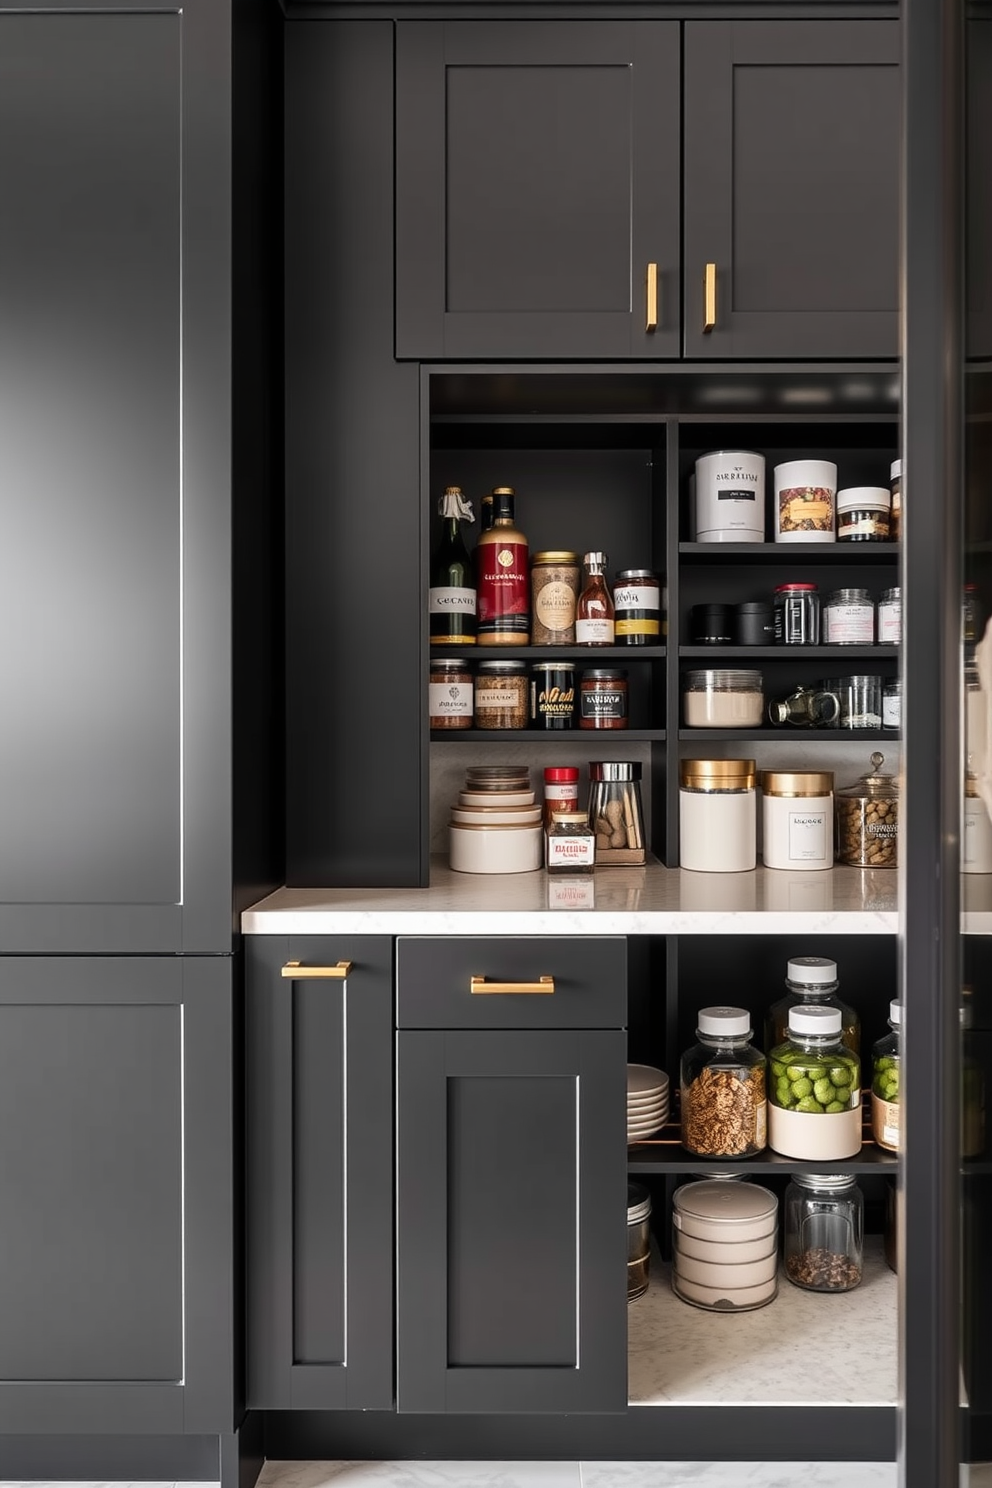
[434,981]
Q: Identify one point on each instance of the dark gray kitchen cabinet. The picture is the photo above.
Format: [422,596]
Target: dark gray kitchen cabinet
[320,1210]
[511,1174]
[116,1195]
[537,175]
[978,207]
[791,188]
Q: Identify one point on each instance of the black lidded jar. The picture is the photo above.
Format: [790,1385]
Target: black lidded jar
[552,695]
[754,624]
[711,624]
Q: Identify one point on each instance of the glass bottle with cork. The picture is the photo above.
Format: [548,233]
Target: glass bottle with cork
[595,615]
[453,590]
[503,577]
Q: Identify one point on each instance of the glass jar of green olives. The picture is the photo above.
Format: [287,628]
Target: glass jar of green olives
[886,1063]
[824,1232]
[814,1094]
[811,979]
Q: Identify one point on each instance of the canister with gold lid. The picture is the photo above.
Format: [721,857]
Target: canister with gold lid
[717,815]
[797,819]
[554,591]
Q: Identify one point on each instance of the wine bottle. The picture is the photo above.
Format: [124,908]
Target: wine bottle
[504,579]
[453,591]
[594,615]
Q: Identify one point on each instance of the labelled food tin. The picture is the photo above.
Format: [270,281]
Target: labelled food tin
[730,497]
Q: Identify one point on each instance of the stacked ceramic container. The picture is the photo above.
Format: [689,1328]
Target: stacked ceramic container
[725,1245]
[647,1101]
[495,825]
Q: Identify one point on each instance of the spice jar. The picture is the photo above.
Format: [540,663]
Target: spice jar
[814,1089]
[554,592]
[824,1232]
[552,695]
[501,695]
[615,811]
[895,493]
[849,618]
[724,1245]
[867,816]
[449,695]
[723,1087]
[976,838]
[561,790]
[863,514]
[811,979]
[804,501]
[797,615]
[570,846]
[890,617]
[603,698]
[797,816]
[892,704]
[886,1072]
[637,606]
[723,698]
[717,818]
[638,1239]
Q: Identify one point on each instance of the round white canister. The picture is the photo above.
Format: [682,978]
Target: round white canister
[729,497]
[797,819]
[717,816]
[805,501]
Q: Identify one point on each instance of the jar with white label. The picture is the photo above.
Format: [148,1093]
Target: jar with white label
[717,815]
[976,838]
[450,695]
[797,817]
[890,617]
[886,1071]
[502,695]
[863,514]
[571,847]
[849,618]
[637,606]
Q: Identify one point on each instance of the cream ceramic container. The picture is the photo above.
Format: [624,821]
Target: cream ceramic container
[805,501]
[495,816]
[495,849]
[730,497]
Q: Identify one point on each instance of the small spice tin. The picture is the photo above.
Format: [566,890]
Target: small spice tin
[570,847]
[754,624]
[797,615]
[711,624]
[849,618]
[805,492]
[863,514]
[603,698]
[450,695]
[552,695]
[554,588]
[502,695]
[730,497]
[561,790]
[637,607]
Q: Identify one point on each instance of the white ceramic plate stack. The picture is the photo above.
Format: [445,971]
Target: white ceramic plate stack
[725,1245]
[495,825]
[647,1101]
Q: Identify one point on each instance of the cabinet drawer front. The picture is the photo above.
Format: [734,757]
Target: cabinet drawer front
[434,982]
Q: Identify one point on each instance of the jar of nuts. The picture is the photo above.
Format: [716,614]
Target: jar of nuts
[824,1231]
[723,1087]
[867,819]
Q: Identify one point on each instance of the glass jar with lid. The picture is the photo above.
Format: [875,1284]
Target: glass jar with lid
[724,1113]
[814,1089]
[717,815]
[890,617]
[863,514]
[449,692]
[797,615]
[723,698]
[570,845]
[811,979]
[554,593]
[895,492]
[824,1232]
[637,606]
[603,698]
[615,811]
[849,618]
[502,695]
[886,1073]
[867,816]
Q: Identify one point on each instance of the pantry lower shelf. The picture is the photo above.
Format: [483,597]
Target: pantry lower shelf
[805,1348]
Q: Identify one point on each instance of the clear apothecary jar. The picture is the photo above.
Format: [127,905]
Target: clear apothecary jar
[615,813]
[824,1232]
[724,1111]
[812,979]
[717,815]
[867,816]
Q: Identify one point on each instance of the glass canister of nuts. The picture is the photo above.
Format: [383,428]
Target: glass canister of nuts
[554,590]
[867,818]
[615,811]
[724,1111]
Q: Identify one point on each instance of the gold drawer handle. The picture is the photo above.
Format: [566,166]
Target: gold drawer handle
[301,973]
[546,984]
[709,297]
[652,297]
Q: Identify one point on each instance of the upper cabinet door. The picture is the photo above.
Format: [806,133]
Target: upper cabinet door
[537,178]
[792,141]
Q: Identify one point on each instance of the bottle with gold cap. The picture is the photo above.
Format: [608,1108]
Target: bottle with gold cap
[503,577]
[717,815]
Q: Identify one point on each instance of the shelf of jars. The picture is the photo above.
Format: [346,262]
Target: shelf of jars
[664,1153]
[597,737]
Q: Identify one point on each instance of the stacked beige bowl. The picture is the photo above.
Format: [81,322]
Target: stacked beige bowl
[495,825]
[725,1245]
[647,1101]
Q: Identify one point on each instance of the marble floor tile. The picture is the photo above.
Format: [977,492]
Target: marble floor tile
[737,1474]
[420,1475]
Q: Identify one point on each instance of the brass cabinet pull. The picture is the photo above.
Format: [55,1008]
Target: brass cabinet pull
[300,973]
[546,984]
[709,297]
[652,297]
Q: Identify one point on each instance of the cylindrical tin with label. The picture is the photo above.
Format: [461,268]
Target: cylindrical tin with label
[552,695]
[730,497]
[797,817]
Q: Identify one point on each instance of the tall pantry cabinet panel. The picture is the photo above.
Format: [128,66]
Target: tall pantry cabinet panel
[114,483]
[537,176]
[791,172]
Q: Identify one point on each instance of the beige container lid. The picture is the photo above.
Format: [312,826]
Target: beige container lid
[554,555]
[718,774]
[797,782]
[725,1203]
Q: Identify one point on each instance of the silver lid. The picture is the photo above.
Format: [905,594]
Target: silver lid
[614,770]
[823,1180]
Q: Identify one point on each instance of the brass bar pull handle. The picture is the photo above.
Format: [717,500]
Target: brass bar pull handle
[479,984]
[709,297]
[300,973]
[651,295]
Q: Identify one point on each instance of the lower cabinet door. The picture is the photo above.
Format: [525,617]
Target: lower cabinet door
[511,1192]
[320,1205]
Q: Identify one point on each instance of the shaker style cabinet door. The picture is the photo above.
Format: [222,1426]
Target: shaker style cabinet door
[511,1175]
[320,1181]
[791,170]
[537,178]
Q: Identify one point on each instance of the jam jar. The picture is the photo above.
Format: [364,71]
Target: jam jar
[603,698]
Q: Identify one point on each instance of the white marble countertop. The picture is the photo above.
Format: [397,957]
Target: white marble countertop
[651,900]
[804,1348]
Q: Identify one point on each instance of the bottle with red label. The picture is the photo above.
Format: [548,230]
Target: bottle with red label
[503,578]
[594,616]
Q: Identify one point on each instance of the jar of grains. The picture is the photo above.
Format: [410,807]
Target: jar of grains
[863,514]
[849,618]
[717,817]
[637,606]
[449,695]
[867,816]
[603,698]
[723,1087]
[501,695]
[723,698]
[554,587]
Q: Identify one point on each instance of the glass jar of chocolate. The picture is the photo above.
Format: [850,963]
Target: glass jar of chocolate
[552,695]
[637,606]
[603,698]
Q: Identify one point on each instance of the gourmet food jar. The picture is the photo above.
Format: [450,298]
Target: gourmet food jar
[867,815]
[895,492]
[449,694]
[863,514]
[723,1087]
[717,816]
[637,606]
[552,695]
[811,979]
[730,497]
[724,1245]
[797,815]
[886,1070]
[502,698]
[554,592]
[814,1089]
[805,492]
[824,1231]
[603,698]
